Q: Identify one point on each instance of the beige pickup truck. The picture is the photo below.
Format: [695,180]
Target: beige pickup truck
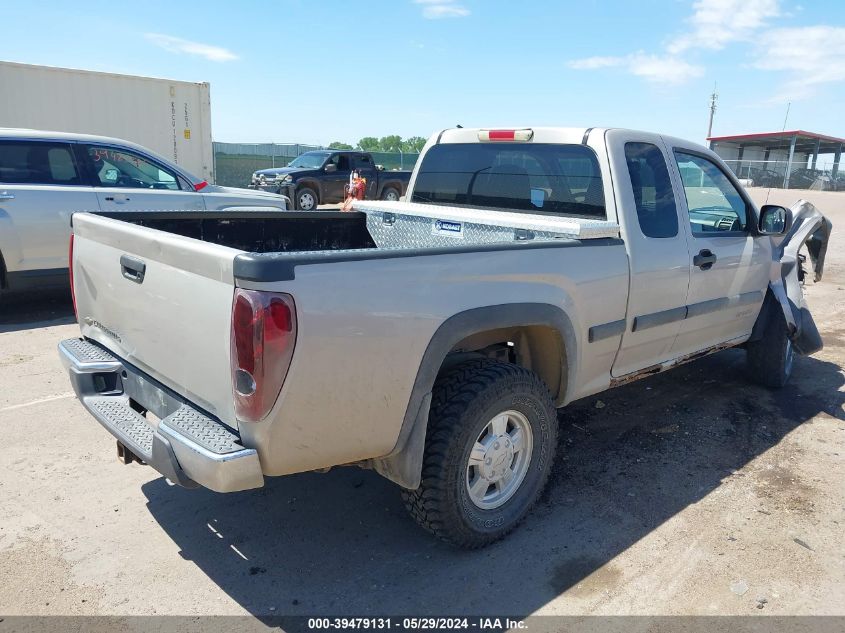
[432,339]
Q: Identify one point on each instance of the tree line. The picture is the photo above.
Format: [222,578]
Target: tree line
[392,143]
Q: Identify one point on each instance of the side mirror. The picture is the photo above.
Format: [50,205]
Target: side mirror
[330,168]
[774,219]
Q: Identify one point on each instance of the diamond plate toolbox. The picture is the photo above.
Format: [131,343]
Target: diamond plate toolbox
[410,225]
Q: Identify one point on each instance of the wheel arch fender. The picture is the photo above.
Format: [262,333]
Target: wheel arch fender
[309,183]
[404,463]
[780,301]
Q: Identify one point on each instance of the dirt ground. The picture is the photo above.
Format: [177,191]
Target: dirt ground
[692,492]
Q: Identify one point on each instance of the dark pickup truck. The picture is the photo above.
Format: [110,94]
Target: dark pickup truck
[319,177]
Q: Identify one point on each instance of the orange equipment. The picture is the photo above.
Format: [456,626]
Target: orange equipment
[355,190]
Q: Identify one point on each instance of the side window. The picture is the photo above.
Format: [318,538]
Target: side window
[363,162]
[36,163]
[714,203]
[343,162]
[652,188]
[121,168]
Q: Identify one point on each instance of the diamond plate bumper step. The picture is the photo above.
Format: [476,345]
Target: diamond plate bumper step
[187,446]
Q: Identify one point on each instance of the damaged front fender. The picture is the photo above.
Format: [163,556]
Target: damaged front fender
[809,227]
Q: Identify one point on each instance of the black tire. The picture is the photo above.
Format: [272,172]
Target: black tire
[301,198]
[770,359]
[390,193]
[465,398]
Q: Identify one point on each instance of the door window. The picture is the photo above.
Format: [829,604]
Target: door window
[715,205]
[652,187]
[339,160]
[363,162]
[114,167]
[34,163]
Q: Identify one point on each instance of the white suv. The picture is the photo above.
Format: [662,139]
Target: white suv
[45,177]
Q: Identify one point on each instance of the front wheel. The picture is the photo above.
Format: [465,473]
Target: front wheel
[492,434]
[306,199]
[390,194]
[771,358]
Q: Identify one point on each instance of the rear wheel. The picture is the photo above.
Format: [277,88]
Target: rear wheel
[391,194]
[491,438]
[306,199]
[771,358]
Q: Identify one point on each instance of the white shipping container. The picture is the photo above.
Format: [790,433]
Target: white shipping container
[172,118]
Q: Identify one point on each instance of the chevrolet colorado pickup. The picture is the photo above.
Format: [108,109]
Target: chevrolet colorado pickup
[432,340]
[319,177]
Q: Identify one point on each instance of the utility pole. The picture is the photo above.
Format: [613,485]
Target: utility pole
[713,98]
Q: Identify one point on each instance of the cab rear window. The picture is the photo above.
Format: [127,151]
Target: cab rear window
[528,177]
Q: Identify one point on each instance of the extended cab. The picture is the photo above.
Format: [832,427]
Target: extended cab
[432,340]
[319,177]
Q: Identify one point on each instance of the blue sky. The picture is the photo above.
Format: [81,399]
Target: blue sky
[319,71]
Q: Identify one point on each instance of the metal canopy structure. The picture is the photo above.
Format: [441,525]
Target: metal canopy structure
[782,150]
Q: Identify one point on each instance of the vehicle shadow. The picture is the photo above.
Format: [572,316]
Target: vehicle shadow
[342,544]
[35,309]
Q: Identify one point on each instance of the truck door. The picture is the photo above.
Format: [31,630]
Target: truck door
[729,266]
[126,180]
[657,250]
[334,181]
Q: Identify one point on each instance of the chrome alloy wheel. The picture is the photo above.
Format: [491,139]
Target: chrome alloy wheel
[307,201]
[499,459]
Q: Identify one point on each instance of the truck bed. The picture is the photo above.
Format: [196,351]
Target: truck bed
[173,320]
[371,225]
[260,231]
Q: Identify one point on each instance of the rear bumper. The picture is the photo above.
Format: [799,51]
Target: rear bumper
[186,445]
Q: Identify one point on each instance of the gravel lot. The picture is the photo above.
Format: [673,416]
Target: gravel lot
[692,492]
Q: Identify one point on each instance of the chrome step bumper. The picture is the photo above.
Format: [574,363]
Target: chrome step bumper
[186,445]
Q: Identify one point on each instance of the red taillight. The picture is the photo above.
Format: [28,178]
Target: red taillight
[70,272]
[263,336]
[200,185]
[492,136]
[501,135]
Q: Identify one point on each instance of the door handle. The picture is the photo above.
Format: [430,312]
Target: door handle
[705,259]
[117,198]
[133,268]
[5,195]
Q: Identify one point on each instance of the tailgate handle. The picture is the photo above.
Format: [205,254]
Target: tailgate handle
[133,268]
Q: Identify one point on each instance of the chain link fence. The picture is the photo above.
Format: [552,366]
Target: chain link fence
[234,163]
[772,173]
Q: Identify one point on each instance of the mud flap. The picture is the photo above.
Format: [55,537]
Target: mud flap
[809,227]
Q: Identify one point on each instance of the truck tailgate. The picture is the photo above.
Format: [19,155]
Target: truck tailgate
[161,302]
